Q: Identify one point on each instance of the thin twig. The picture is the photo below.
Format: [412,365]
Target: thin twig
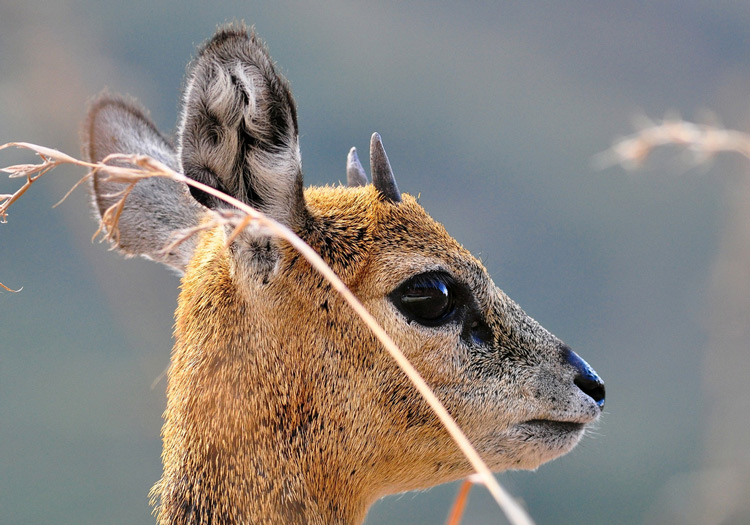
[147,167]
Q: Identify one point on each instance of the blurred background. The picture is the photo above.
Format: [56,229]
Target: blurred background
[492,113]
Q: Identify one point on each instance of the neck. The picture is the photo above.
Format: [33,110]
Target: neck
[267,487]
[243,438]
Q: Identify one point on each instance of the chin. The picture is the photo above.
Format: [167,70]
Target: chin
[527,445]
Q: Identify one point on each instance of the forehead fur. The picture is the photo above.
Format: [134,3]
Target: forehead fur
[355,229]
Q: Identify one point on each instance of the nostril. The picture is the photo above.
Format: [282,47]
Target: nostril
[592,387]
[586,379]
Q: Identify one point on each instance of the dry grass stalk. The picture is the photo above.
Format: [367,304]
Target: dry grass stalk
[462,499]
[704,141]
[9,289]
[129,169]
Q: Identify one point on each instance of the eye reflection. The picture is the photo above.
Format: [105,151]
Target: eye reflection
[427,298]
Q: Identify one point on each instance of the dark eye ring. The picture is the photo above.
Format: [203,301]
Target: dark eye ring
[427,298]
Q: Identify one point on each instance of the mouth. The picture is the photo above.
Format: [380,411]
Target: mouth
[550,426]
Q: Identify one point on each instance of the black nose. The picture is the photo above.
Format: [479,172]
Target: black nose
[586,379]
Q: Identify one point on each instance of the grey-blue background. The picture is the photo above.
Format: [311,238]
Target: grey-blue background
[492,112]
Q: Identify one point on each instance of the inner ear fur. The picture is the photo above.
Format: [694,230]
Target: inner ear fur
[238,131]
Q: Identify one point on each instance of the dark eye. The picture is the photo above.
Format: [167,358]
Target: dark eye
[426,298]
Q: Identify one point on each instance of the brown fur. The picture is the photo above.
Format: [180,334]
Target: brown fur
[281,406]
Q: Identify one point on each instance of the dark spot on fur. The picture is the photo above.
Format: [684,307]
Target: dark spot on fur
[292,261]
[293,509]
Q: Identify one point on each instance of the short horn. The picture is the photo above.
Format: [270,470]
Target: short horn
[355,173]
[382,174]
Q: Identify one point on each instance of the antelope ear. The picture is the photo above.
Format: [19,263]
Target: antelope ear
[156,207]
[238,131]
